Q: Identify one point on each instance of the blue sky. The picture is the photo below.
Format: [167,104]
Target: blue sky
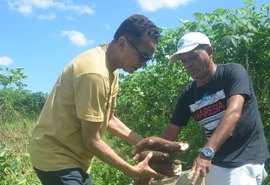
[42,36]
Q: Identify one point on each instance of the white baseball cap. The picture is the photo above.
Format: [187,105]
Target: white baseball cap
[189,42]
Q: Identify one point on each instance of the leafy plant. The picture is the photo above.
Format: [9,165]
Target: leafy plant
[12,77]
[16,169]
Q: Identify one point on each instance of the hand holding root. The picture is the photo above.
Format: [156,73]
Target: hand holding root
[200,168]
[163,159]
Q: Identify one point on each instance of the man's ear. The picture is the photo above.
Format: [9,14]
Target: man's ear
[121,43]
[209,50]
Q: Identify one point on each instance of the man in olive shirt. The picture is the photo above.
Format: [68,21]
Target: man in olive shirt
[80,107]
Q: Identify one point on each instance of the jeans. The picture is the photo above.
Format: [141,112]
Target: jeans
[249,174]
[72,176]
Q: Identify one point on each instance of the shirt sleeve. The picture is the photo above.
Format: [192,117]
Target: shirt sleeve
[90,92]
[181,113]
[237,81]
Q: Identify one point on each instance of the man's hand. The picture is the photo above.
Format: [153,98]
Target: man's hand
[144,169]
[200,167]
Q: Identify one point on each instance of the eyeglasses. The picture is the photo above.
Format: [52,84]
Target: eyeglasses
[144,56]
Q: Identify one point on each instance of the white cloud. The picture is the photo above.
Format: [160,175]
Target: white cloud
[83,9]
[154,5]
[5,61]
[77,38]
[51,16]
[33,7]
[41,3]
[25,10]
[107,26]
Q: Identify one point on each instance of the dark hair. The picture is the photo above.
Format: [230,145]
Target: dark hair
[135,26]
[202,46]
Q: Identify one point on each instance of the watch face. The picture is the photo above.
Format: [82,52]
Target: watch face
[208,152]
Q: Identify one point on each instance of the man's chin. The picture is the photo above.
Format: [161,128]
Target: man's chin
[129,70]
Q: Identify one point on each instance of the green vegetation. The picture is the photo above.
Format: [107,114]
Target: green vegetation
[19,110]
[146,98]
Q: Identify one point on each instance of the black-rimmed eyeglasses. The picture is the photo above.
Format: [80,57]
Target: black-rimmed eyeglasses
[144,56]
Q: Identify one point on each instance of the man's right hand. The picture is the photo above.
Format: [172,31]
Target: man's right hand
[200,168]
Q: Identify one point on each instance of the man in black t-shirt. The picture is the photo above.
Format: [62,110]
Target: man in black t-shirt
[222,100]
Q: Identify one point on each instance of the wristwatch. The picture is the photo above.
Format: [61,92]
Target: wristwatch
[208,152]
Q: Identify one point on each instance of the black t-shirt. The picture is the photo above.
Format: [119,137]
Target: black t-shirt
[206,104]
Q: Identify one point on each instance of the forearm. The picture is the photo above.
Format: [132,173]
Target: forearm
[223,131]
[227,123]
[171,132]
[102,151]
[119,129]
